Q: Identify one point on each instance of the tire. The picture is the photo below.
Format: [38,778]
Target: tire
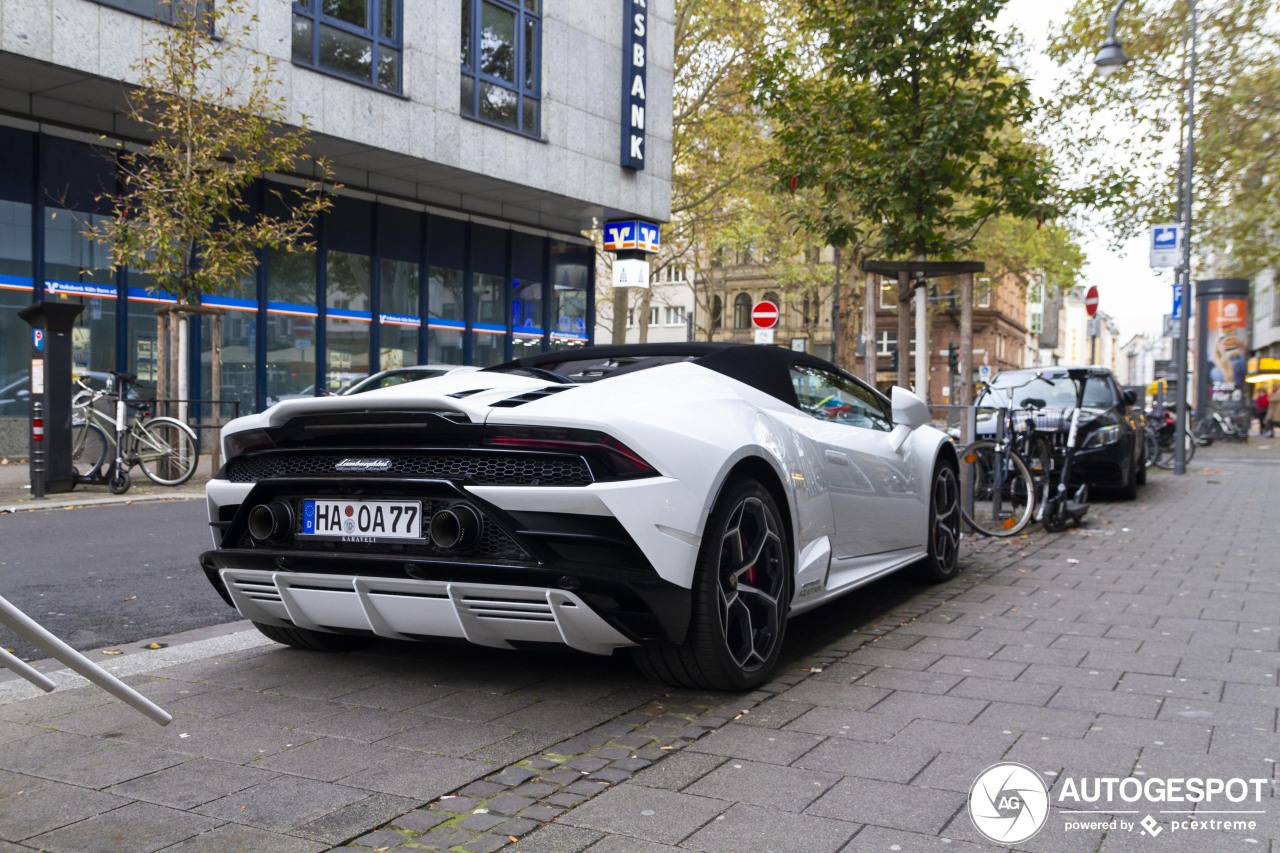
[1002,503]
[166,450]
[1039,459]
[119,483]
[1207,431]
[1166,459]
[942,562]
[1140,475]
[1129,491]
[88,448]
[741,594]
[1151,449]
[1056,518]
[314,641]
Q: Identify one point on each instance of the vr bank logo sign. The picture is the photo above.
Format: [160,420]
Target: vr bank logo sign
[1009,803]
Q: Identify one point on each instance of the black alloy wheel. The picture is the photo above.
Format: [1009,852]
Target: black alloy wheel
[943,559]
[741,595]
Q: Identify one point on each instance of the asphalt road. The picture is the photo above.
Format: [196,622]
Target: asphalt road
[111,575]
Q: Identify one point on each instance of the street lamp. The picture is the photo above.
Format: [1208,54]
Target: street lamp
[1109,59]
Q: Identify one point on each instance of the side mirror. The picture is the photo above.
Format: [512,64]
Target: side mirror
[1130,398]
[908,409]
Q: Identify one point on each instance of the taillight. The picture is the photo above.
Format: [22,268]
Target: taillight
[242,442]
[617,460]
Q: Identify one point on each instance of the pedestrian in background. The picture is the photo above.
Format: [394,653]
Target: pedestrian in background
[1261,407]
[1273,411]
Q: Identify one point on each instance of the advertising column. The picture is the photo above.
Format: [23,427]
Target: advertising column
[1222,335]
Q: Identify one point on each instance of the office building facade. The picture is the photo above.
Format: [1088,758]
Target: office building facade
[476,142]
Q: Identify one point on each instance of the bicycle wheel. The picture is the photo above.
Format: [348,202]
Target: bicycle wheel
[1153,446]
[1038,454]
[1000,486]
[1168,448]
[166,450]
[1208,430]
[88,448]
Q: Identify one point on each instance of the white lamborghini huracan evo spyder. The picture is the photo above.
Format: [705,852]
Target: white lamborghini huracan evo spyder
[682,500]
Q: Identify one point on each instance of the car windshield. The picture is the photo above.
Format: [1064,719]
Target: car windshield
[1057,391]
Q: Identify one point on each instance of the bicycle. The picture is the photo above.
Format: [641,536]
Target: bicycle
[165,448]
[1006,476]
[1062,507]
[1216,426]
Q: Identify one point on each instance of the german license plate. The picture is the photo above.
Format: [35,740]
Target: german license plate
[361,521]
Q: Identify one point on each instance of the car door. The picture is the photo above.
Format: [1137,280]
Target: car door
[875,499]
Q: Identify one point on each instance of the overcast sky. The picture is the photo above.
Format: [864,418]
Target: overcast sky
[1128,288]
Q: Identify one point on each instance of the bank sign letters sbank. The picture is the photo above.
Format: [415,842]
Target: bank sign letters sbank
[634,45]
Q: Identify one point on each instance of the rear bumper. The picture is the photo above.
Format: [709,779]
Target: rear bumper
[405,609]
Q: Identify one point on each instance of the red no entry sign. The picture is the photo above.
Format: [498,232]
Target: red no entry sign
[764,314]
[1091,300]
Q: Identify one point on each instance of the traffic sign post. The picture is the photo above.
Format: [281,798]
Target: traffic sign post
[1091,301]
[764,314]
[1166,245]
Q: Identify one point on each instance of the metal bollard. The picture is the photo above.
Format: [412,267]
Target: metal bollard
[37,449]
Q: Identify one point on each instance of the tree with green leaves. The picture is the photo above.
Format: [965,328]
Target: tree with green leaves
[906,121]
[214,124]
[1128,128]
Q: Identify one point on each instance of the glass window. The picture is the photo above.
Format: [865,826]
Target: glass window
[347,318]
[838,398]
[717,313]
[501,63]
[17,149]
[489,327]
[888,294]
[526,314]
[982,293]
[355,39]
[447,322]
[398,319]
[675,315]
[239,354]
[742,311]
[161,10]
[572,272]
[291,324]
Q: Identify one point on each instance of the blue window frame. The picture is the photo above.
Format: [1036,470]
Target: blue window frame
[355,39]
[502,63]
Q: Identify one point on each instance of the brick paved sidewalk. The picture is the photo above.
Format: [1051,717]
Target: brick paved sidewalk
[1145,645]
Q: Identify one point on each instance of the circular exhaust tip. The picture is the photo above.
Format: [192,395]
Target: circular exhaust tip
[456,527]
[272,521]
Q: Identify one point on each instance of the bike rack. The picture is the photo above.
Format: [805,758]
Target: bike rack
[36,634]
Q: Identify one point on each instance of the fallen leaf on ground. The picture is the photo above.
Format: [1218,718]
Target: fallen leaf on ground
[112,652]
[156,645]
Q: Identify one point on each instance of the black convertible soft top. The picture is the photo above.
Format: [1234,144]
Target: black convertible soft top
[764,368]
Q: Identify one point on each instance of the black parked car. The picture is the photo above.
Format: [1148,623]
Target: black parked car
[1110,451]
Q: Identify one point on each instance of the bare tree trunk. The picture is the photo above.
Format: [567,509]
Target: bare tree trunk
[162,351]
[175,355]
[181,355]
[904,330]
[965,380]
[621,298]
[872,301]
[642,321]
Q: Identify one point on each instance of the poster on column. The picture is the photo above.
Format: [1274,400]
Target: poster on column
[1225,350]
